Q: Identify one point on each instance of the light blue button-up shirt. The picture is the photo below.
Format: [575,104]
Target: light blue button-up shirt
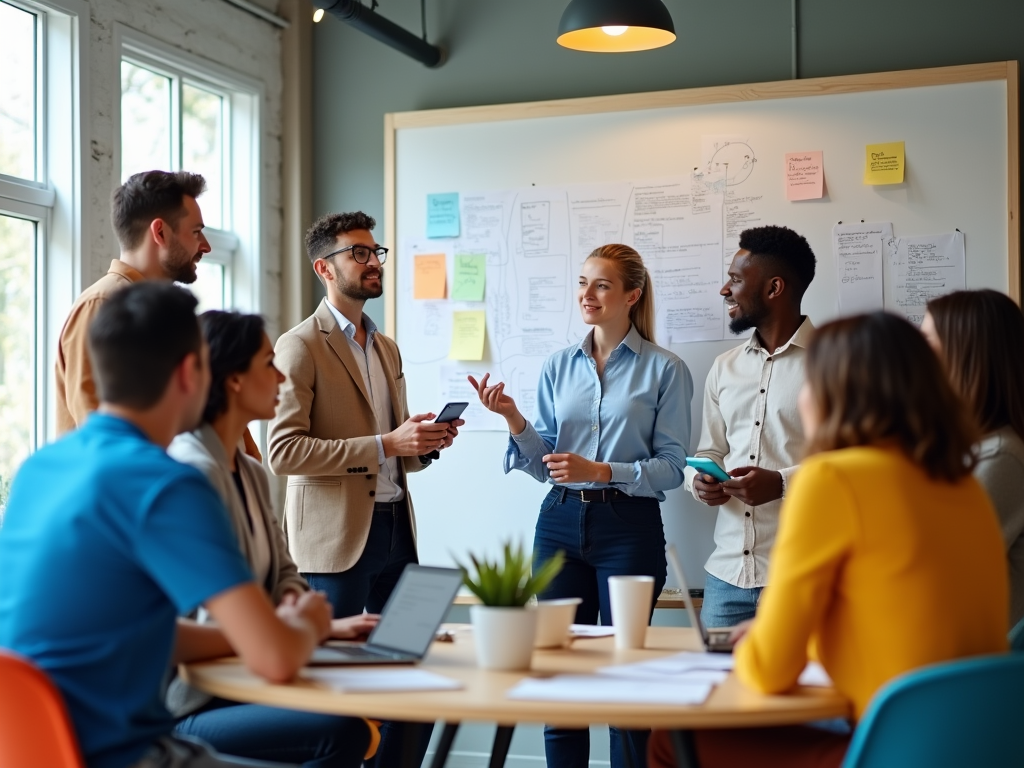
[636,418]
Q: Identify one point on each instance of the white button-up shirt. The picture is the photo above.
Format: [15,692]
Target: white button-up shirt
[751,419]
[389,477]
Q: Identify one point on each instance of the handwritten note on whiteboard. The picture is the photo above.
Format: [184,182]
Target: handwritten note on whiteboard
[443,215]
[429,276]
[923,268]
[885,163]
[859,250]
[805,175]
[468,335]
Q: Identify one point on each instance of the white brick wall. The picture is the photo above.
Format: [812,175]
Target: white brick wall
[212,29]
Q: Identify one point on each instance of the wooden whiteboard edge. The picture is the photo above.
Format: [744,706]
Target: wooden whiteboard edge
[390,225]
[1013,177]
[782,89]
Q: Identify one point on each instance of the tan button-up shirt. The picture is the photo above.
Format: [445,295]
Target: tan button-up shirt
[751,419]
[76,390]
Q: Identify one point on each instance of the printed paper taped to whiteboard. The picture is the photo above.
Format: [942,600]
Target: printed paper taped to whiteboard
[455,388]
[592,688]
[381,680]
[922,268]
[859,251]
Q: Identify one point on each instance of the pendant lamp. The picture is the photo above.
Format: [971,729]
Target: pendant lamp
[615,26]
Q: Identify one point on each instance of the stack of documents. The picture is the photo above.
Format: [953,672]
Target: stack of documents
[380,680]
[684,678]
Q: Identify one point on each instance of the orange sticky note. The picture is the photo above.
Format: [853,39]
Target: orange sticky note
[805,175]
[429,276]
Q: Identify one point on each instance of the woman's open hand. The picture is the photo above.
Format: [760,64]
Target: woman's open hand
[494,399]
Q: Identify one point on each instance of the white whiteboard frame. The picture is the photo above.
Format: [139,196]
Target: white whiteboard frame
[785,89]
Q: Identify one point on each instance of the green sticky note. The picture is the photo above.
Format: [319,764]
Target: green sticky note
[470,272]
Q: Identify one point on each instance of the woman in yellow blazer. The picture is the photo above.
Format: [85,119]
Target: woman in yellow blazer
[889,555]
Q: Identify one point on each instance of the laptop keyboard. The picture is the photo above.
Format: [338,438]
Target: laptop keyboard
[359,652]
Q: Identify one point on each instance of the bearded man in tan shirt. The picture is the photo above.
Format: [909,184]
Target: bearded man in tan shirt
[160,229]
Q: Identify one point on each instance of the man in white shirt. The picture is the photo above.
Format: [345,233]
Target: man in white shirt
[751,427]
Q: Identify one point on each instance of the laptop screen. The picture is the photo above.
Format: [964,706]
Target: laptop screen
[416,609]
[673,559]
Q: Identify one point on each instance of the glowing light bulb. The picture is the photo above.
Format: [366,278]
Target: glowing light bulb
[318,14]
[614,31]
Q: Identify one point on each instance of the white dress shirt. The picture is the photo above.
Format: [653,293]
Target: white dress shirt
[751,419]
[389,477]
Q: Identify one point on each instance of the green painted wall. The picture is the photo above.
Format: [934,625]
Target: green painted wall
[503,51]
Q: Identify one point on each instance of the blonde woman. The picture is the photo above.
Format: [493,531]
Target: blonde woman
[610,435]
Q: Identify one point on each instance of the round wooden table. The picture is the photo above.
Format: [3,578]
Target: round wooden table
[483,697]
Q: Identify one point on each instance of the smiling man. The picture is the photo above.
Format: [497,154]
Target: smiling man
[751,425]
[160,229]
[344,436]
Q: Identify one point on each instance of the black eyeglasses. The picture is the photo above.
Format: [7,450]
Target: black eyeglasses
[361,253]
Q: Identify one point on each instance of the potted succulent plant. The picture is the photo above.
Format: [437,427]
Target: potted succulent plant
[504,624]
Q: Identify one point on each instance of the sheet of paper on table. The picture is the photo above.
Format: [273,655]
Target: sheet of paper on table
[594,688]
[815,675]
[381,680]
[688,667]
[590,630]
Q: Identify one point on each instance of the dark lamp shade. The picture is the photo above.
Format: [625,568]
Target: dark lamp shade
[647,23]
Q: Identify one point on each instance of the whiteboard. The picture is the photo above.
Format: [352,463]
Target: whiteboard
[959,126]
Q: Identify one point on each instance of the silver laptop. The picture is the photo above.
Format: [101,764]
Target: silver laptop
[407,624]
[716,641]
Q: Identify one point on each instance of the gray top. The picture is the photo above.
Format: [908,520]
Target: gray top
[203,450]
[1000,471]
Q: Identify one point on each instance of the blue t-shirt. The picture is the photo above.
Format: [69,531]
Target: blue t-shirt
[106,540]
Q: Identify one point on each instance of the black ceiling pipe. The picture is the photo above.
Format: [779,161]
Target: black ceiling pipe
[365,20]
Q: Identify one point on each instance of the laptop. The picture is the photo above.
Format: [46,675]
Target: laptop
[407,624]
[716,641]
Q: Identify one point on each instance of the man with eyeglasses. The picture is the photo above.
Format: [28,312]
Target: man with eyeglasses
[344,436]
[343,433]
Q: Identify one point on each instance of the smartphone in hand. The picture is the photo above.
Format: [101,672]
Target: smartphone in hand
[707,467]
[450,412]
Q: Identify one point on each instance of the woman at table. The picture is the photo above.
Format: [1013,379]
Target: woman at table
[888,557]
[610,433]
[243,388]
[978,335]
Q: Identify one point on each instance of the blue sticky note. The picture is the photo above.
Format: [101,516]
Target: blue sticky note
[443,215]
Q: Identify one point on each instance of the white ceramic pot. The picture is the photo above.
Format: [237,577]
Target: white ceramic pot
[503,636]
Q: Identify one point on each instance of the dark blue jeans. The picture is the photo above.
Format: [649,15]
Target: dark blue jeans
[621,536]
[368,584]
[279,735]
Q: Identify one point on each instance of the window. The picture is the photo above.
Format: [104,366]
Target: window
[182,113]
[40,224]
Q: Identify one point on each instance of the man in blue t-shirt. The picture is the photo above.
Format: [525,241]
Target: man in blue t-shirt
[106,540]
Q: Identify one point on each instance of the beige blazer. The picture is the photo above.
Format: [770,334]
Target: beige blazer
[324,439]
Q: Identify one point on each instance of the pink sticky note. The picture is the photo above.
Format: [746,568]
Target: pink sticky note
[805,175]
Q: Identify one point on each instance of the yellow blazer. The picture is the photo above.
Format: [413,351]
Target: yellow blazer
[324,439]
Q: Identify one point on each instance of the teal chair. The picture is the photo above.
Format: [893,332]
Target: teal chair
[1017,637]
[962,713]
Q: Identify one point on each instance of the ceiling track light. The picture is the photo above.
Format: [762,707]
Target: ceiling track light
[357,15]
[615,26]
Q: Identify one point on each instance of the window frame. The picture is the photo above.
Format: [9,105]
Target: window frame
[238,246]
[53,199]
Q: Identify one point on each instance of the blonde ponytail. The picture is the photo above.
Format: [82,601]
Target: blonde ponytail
[634,275]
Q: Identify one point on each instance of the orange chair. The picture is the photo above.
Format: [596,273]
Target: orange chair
[34,726]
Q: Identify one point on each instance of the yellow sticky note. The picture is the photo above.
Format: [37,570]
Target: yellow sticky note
[884,163]
[429,276]
[468,333]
